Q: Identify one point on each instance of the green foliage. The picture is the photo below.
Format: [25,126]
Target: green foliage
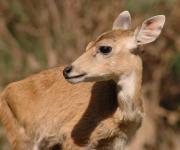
[17,9]
[32,45]
[6,60]
[175,66]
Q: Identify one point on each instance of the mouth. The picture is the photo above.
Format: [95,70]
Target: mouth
[77,76]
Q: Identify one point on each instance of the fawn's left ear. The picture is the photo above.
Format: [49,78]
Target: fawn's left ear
[150,30]
[123,21]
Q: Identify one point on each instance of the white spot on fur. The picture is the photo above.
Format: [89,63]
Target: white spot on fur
[37,143]
[76,80]
[131,44]
[36,147]
[127,92]
[120,142]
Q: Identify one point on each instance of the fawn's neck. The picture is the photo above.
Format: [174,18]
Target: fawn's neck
[129,92]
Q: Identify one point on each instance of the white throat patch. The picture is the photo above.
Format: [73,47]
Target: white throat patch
[127,82]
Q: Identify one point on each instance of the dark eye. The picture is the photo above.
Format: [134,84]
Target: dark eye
[105,49]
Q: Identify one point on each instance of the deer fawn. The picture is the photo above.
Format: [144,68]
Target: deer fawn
[45,112]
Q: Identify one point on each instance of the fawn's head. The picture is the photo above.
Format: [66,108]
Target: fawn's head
[112,53]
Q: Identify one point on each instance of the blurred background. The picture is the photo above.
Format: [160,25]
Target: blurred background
[38,34]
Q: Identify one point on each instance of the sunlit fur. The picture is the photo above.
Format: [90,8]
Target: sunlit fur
[111,66]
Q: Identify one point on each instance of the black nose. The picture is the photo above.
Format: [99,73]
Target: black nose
[67,70]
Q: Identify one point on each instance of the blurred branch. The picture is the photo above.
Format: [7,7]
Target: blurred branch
[46,38]
[12,43]
[27,29]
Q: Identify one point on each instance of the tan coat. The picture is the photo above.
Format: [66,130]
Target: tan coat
[50,111]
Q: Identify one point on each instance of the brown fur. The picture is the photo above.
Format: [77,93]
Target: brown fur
[47,109]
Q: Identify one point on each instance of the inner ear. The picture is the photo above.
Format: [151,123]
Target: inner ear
[123,21]
[150,30]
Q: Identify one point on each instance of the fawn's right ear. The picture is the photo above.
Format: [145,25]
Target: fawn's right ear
[150,30]
[123,21]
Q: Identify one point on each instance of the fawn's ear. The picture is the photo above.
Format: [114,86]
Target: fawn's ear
[123,21]
[150,30]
